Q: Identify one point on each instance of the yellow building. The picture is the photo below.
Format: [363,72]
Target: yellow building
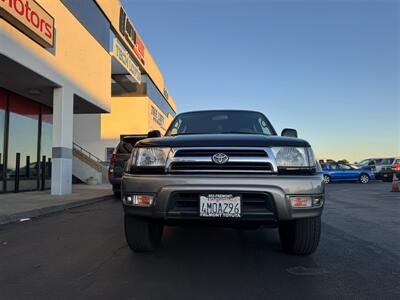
[71,72]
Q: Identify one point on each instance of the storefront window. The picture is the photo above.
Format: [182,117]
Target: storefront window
[23,139]
[46,140]
[3,107]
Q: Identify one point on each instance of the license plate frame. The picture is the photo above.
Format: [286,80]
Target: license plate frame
[220,205]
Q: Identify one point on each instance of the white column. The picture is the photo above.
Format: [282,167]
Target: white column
[61,170]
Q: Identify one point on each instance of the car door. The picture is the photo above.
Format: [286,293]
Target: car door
[334,171]
[348,173]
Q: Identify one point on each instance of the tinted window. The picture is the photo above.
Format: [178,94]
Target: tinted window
[154,94]
[47,139]
[386,161]
[127,143]
[214,122]
[124,147]
[344,167]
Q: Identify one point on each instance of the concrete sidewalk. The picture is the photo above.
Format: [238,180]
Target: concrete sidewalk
[14,207]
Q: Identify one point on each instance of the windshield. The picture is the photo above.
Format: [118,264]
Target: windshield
[218,122]
[364,162]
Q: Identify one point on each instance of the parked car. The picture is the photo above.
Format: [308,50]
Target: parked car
[345,172]
[118,160]
[390,166]
[223,168]
[368,164]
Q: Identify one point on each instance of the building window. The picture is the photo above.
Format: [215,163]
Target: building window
[23,142]
[46,144]
[3,107]
[26,135]
[154,94]
[109,152]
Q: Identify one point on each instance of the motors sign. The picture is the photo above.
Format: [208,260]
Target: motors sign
[30,18]
[125,59]
[132,38]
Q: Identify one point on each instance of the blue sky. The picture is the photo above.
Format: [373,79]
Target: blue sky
[330,69]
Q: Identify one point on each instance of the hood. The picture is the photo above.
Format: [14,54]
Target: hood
[222,140]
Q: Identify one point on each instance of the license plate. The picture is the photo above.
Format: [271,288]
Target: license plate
[220,205]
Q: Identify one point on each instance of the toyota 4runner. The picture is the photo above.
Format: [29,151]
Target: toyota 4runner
[223,168]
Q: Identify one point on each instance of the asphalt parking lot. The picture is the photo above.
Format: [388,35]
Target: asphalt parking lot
[81,253]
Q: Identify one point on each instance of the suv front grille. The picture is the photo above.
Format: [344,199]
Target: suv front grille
[229,152]
[229,166]
[241,160]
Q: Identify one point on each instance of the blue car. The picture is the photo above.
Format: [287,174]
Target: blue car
[344,172]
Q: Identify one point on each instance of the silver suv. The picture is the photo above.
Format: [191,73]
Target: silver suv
[223,168]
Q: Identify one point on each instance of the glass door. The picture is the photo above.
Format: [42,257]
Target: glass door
[22,157]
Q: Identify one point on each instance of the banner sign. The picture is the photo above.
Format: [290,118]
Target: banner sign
[125,59]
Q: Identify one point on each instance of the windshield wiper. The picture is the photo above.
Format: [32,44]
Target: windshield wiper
[238,132]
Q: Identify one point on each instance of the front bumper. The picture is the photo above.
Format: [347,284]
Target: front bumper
[276,189]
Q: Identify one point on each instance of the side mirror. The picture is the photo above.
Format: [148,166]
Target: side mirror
[154,134]
[289,132]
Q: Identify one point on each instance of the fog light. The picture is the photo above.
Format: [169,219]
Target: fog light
[300,201]
[128,199]
[317,201]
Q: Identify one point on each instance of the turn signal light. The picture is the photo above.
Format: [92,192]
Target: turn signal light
[300,201]
[139,200]
[144,200]
[113,157]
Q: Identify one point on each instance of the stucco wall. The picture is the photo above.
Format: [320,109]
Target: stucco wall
[78,60]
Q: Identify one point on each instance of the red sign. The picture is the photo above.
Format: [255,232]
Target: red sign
[131,36]
[29,17]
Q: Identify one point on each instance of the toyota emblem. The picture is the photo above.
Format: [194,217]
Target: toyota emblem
[220,158]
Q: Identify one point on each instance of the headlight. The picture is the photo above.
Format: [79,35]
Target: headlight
[294,157]
[150,157]
[311,158]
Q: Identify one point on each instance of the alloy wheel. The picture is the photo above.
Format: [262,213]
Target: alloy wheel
[364,178]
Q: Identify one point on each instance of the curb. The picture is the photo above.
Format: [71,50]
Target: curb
[34,213]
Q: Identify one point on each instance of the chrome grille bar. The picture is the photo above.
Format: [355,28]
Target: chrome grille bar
[195,162]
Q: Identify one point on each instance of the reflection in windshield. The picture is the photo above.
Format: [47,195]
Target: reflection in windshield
[221,122]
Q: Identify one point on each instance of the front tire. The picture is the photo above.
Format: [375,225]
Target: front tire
[327,179]
[142,235]
[364,178]
[301,236]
